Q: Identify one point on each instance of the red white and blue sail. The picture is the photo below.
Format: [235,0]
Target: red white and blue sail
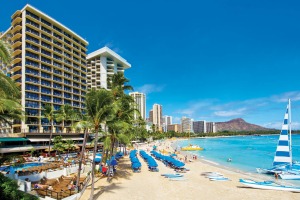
[283,155]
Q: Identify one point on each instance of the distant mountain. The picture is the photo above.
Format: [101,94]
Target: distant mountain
[238,125]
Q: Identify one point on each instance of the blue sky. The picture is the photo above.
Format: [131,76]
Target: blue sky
[210,60]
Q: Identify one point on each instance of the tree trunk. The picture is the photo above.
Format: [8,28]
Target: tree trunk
[111,154]
[106,154]
[63,126]
[94,165]
[50,138]
[80,160]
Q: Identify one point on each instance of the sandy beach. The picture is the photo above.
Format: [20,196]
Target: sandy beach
[151,185]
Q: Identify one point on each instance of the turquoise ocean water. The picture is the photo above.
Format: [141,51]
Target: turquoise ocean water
[247,152]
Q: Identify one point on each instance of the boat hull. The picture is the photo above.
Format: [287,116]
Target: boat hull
[191,148]
[290,176]
[268,186]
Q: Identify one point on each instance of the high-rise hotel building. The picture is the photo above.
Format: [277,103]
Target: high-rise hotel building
[140,101]
[199,126]
[157,116]
[49,63]
[187,125]
[102,65]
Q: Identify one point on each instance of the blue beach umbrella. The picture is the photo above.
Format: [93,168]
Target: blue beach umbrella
[113,161]
[98,158]
[135,159]
[136,165]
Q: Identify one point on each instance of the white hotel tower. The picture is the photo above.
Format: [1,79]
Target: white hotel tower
[103,64]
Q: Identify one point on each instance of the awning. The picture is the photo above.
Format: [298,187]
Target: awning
[77,138]
[47,139]
[38,139]
[14,139]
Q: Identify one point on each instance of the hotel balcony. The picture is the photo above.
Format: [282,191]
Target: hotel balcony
[17,59]
[17,51]
[16,67]
[17,35]
[16,18]
[16,27]
[16,75]
[16,43]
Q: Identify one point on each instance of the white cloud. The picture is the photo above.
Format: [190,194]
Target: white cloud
[150,88]
[294,96]
[276,125]
[195,107]
[257,109]
[176,120]
[231,113]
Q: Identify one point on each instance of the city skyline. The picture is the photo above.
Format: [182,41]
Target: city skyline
[214,61]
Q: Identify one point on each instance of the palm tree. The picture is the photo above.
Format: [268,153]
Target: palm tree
[99,105]
[49,113]
[5,52]
[66,113]
[10,95]
[69,144]
[117,84]
[10,98]
[58,144]
[85,124]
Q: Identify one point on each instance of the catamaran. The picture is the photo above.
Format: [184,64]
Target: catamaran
[268,185]
[282,163]
[191,147]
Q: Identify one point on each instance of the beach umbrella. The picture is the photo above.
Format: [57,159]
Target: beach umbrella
[135,159]
[113,161]
[98,158]
[136,165]
[153,165]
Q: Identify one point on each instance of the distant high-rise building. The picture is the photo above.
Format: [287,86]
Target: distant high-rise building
[140,100]
[199,126]
[187,124]
[210,127]
[102,65]
[157,115]
[151,116]
[175,127]
[167,120]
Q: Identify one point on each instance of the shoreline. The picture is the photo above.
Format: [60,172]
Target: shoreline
[151,185]
[257,176]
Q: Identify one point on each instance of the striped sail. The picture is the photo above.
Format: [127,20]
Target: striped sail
[283,152]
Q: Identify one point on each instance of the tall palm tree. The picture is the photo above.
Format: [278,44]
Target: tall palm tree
[10,98]
[5,52]
[10,95]
[84,124]
[99,108]
[49,113]
[66,113]
[118,84]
